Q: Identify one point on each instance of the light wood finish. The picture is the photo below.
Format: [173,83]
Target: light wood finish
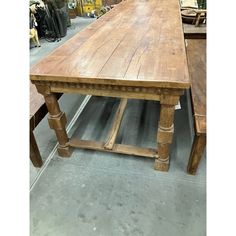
[196,53]
[165,131]
[116,125]
[57,121]
[132,92]
[117,148]
[135,43]
[136,50]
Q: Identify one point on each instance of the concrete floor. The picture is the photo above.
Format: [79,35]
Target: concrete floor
[97,193]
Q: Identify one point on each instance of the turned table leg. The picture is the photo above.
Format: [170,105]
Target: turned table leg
[165,131]
[198,147]
[57,121]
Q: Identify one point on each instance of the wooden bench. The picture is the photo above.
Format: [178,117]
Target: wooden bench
[193,32]
[38,110]
[196,54]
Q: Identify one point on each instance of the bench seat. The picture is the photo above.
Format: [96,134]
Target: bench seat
[38,110]
[196,55]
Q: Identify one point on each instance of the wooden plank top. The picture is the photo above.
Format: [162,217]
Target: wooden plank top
[138,42]
[196,53]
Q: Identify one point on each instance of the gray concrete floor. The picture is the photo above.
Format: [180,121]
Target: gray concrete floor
[97,193]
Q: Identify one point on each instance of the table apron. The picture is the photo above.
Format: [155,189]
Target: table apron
[108,93]
[118,91]
[168,99]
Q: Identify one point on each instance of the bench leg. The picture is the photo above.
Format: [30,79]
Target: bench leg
[165,132]
[57,121]
[198,148]
[35,156]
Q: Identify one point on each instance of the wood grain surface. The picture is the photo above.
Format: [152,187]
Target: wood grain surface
[136,43]
[36,100]
[196,53]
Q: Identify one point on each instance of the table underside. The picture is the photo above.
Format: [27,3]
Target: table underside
[57,119]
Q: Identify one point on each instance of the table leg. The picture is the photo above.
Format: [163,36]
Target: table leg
[57,121]
[198,148]
[35,156]
[165,132]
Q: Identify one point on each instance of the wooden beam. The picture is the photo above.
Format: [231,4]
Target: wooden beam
[116,124]
[117,148]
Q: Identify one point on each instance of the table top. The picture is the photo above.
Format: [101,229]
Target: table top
[136,43]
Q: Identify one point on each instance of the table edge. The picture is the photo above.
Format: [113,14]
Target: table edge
[110,81]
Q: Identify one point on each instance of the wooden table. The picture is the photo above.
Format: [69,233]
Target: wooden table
[136,51]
